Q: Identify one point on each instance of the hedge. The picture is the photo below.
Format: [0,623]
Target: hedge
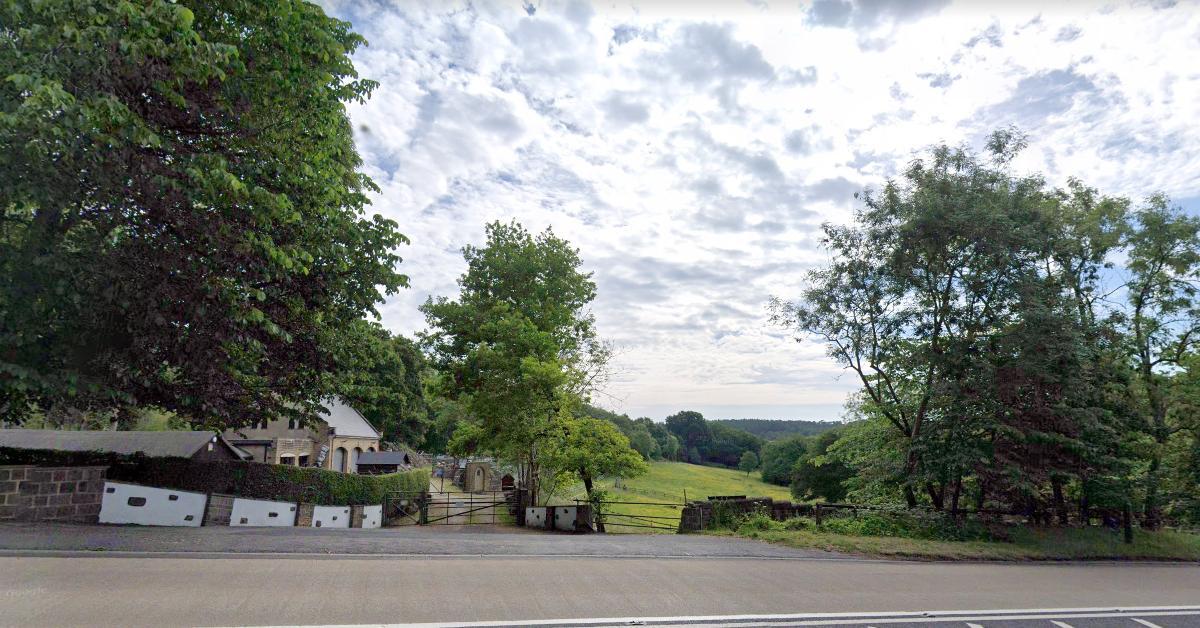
[241,478]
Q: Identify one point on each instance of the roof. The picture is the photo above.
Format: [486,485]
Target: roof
[156,444]
[345,421]
[385,457]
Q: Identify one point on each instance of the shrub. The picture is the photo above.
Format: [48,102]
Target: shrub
[931,526]
[757,521]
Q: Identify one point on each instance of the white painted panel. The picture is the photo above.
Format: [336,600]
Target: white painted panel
[148,506]
[535,517]
[260,512]
[564,518]
[372,516]
[331,517]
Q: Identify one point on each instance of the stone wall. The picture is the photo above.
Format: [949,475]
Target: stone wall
[29,493]
[700,515]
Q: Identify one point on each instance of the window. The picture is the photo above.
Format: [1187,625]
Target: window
[354,460]
[287,459]
[293,424]
[370,449]
[339,459]
[304,461]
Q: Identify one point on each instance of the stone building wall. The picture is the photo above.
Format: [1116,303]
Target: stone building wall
[29,493]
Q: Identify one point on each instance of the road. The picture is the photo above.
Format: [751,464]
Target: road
[129,590]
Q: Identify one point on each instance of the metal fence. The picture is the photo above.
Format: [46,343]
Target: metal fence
[630,514]
[424,508]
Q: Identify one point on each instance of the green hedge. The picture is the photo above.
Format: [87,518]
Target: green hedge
[244,479]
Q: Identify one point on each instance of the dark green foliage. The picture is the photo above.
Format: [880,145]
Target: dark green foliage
[775,429]
[710,443]
[780,456]
[911,525]
[181,215]
[818,476]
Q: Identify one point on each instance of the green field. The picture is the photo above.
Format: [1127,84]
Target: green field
[669,483]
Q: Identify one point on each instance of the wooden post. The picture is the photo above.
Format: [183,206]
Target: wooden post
[817,513]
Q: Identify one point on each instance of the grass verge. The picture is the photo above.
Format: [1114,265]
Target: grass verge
[1023,543]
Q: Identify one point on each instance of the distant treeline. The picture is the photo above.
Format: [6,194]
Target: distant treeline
[686,436]
[774,429]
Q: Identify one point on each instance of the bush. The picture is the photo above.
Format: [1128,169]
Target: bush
[241,478]
[930,526]
[799,523]
[757,521]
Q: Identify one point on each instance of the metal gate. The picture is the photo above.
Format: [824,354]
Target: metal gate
[424,508]
[615,515]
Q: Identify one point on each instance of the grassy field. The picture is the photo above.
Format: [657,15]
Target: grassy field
[1026,544]
[668,483]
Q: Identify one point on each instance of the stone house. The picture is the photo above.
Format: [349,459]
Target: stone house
[332,440]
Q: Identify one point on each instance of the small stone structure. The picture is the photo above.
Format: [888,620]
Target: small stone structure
[699,515]
[29,493]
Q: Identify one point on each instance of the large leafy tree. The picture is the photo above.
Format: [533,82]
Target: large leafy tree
[381,378]
[518,347]
[1163,321]
[182,212]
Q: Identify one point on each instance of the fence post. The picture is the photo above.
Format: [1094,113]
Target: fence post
[817,513]
[423,504]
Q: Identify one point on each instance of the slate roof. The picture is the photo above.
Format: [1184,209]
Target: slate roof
[155,444]
[344,420]
[384,457]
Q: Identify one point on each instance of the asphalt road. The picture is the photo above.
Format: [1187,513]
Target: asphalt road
[95,589]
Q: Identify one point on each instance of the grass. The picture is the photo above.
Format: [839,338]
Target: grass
[668,483]
[1024,543]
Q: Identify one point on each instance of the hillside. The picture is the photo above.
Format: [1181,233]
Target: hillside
[772,429]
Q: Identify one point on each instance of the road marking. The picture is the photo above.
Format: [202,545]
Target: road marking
[1147,624]
[866,620]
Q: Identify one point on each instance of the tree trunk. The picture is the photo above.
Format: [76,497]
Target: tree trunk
[1127,516]
[936,495]
[910,496]
[1060,506]
[587,486]
[954,498]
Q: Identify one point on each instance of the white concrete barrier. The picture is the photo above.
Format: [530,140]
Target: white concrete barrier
[564,518]
[535,517]
[331,517]
[262,513]
[148,506]
[372,516]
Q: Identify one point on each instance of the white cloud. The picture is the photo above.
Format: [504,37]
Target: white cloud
[691,154]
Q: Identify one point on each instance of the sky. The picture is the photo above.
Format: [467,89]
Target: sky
[692,150]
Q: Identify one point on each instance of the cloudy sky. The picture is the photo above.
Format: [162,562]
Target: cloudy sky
[691,150]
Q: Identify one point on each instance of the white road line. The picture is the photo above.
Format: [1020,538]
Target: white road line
[1147,624]
[1061,624]
[970,625]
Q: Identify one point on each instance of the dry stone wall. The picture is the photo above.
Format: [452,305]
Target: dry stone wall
[29,493]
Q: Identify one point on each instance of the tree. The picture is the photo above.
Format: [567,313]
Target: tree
[592,449]
[727,445]
[749,462]
[382,380]
[692,431]
[1164,258]
[779,456]
[518,346]
[182,211]
[643,442]
[928,269]
[816,475]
